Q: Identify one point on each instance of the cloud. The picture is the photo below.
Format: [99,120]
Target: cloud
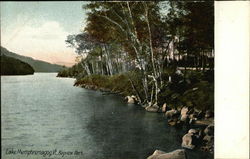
[44,42]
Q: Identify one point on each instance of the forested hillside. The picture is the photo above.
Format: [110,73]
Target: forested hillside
[12,66]
[39,66]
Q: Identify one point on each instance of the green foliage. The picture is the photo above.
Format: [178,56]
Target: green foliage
[64,73]
[186,19]
[201,96]
[11,66]
[196,89]
[75,71]
[95,80]
[116,83]
[189,91]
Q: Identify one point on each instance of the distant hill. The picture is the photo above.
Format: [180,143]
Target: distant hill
[21,68]
[39,66]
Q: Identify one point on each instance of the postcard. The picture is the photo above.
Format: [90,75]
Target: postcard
[118,80]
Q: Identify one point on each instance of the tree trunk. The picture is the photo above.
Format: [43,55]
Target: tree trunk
[152,52]
[86,67]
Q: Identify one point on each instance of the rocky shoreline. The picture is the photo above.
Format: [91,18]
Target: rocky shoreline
[200,135]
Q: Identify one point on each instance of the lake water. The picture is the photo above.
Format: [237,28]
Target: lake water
[44,117]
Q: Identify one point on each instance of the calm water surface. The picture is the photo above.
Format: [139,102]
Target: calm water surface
[42,113]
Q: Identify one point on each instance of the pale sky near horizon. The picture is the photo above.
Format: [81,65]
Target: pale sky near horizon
[39,29]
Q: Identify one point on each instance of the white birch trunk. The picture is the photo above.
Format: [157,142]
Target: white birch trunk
[152,52]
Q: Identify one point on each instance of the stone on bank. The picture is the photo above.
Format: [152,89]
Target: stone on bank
[177,154]
[131,99]
[153,108]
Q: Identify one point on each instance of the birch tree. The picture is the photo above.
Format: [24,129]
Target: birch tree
[131,26]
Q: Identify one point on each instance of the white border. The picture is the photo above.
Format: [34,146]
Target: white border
[232,25]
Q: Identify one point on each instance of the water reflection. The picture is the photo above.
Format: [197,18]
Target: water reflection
[42,112]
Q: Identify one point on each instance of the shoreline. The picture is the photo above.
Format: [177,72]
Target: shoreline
[197,129]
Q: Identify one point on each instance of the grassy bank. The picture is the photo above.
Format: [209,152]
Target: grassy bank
[117,83]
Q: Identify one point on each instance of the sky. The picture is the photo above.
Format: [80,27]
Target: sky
[39,29]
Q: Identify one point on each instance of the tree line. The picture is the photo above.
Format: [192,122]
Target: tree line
[155,39]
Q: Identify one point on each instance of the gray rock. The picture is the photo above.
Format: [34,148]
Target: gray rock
[187,141]
[192,131]
[184,117]
[153,108]
[177,154]
[170,113]
[134,97]
[184,114]
[164,108]
[184,110]
[191,139]
[130,99]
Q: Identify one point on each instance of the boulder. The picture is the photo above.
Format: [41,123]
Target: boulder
[134,97]
[192,131]
[184,110]
[172,123]
[191,139]
[177,154]
[153,108]
[130,99]
[164,108]
[187,141]
[184,117]
[171,113]
[184,114]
